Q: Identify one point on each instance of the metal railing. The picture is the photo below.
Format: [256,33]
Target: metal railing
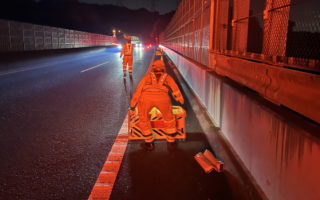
[278,32]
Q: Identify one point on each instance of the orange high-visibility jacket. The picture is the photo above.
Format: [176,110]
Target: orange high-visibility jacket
[149,84]
[127,49]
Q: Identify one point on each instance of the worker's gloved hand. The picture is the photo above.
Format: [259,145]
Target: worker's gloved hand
[178,97]
[131,111]
[180,100]
[132,108]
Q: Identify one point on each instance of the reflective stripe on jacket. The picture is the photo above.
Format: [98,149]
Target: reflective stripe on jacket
[127,49]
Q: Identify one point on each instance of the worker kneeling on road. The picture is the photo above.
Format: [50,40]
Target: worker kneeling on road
[152,91]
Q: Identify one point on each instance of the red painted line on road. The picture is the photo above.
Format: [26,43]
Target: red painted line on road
[103,187]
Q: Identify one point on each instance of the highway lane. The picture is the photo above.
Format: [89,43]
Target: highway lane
[59,115]
[172,172]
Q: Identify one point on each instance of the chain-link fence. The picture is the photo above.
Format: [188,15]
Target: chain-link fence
[283,32]
[279,32]
[16,36]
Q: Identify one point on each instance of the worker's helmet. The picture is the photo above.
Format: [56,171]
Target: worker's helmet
[158,66]
[127,37]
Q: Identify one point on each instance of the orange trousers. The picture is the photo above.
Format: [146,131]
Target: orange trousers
[161,101]
[127,60]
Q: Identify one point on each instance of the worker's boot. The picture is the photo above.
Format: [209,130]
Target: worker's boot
[171,146]
[131,79]
[130,72]
[149,146]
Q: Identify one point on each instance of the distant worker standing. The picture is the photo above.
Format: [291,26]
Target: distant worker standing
[127,52]
[152,91]
[159,53]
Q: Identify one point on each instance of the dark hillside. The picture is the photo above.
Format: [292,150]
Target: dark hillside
[86,17]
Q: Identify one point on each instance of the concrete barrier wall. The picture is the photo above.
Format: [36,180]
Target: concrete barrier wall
[16,36]
[280,156]
[206,88]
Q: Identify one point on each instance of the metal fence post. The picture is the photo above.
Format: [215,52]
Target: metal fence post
[9,30]
[240,25]
[276,20]
[220,27]
[24,45]
[51,31]
[34,37]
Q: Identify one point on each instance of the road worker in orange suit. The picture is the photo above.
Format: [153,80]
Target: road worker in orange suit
[152,91]
[127,52]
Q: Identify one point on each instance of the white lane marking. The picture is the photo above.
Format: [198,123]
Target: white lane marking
[94,67]
[48,64]
[28,69]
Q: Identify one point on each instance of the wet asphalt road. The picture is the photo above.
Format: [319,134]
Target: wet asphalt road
[60,113]
[58,123]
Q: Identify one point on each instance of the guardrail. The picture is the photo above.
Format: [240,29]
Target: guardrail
[285,33]
[17,36]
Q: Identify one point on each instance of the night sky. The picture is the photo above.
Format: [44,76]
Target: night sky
[162,6]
